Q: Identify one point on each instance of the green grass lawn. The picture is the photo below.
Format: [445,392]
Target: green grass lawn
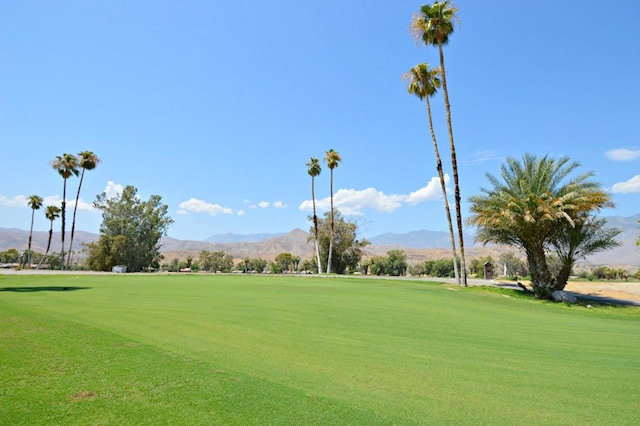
[221,349]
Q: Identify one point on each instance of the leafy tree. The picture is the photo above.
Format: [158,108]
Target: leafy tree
[51,213]
[87,160]
[393,264]
[213,261]
[438,268]
[417,269]
[333,159]
[424,83]
[396,263]
[286,262]
[534,207]
[515,266]
[433,25]
[257,264]
[314,170]
[347,248]
[377,265]
[66,165]
[130,231]
[35,202]
[309,265]
[9,256]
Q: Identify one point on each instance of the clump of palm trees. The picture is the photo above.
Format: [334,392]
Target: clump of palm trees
[67,165]
[333,159]
[433,25]
[549,211]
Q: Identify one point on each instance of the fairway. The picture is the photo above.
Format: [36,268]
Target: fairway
[235,349]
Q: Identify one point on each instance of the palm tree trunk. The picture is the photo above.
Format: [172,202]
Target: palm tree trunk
[331,233]
[33,212]
[454,165]
[73,223]
[315,224]
[62,216]
[444,193]
[541,279]
[48,246]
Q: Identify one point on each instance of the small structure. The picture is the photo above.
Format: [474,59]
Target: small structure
[119,269]
[488,271]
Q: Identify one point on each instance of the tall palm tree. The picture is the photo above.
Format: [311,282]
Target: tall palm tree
[424,83]
[35,202]
[66,165]
[333,159]
[533,206]
[87,160]
[433,24]
[51,213]
[314,170]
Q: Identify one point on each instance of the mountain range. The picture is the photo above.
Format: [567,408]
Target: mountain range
[418,245]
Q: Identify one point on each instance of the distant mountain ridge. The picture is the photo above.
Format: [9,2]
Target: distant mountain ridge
[417,239]
[241,238]
[418,245]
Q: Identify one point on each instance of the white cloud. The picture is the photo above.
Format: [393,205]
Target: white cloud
[56,200]
[17,201]
[50,200]
[263,204]
[354,202]
[632,185]
[113,190]
[194,205]
[430,192]
[483,156]
[623,154]
[240,213]
[279,205]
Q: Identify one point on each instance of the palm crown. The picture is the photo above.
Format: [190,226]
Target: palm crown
[423,81]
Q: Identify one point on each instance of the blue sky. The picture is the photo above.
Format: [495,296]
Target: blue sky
[217,106]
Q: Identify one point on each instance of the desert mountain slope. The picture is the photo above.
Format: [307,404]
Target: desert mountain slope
[418,245]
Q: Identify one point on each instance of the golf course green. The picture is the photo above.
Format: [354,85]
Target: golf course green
[192,349]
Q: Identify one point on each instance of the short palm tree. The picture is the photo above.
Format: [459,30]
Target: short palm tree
[87,160]
[333,159]
[534,204]
[433,25]
[66,165]
[51,213]
[424,83]
[314,170]
[587,236]
[35,202]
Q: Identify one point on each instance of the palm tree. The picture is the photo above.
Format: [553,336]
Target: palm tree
[333,159]
[87,160]
[534,204]
[51,213]
[586,237]
[424,83]
[314,170]
[35,202]
[433,24]
[66,165]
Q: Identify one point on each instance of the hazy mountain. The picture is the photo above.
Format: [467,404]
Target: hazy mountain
[418,245]
[417,239]
[239,238]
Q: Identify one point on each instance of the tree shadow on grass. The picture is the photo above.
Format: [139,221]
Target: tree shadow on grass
[33,289]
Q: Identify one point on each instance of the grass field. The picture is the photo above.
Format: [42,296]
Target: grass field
[219,349]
